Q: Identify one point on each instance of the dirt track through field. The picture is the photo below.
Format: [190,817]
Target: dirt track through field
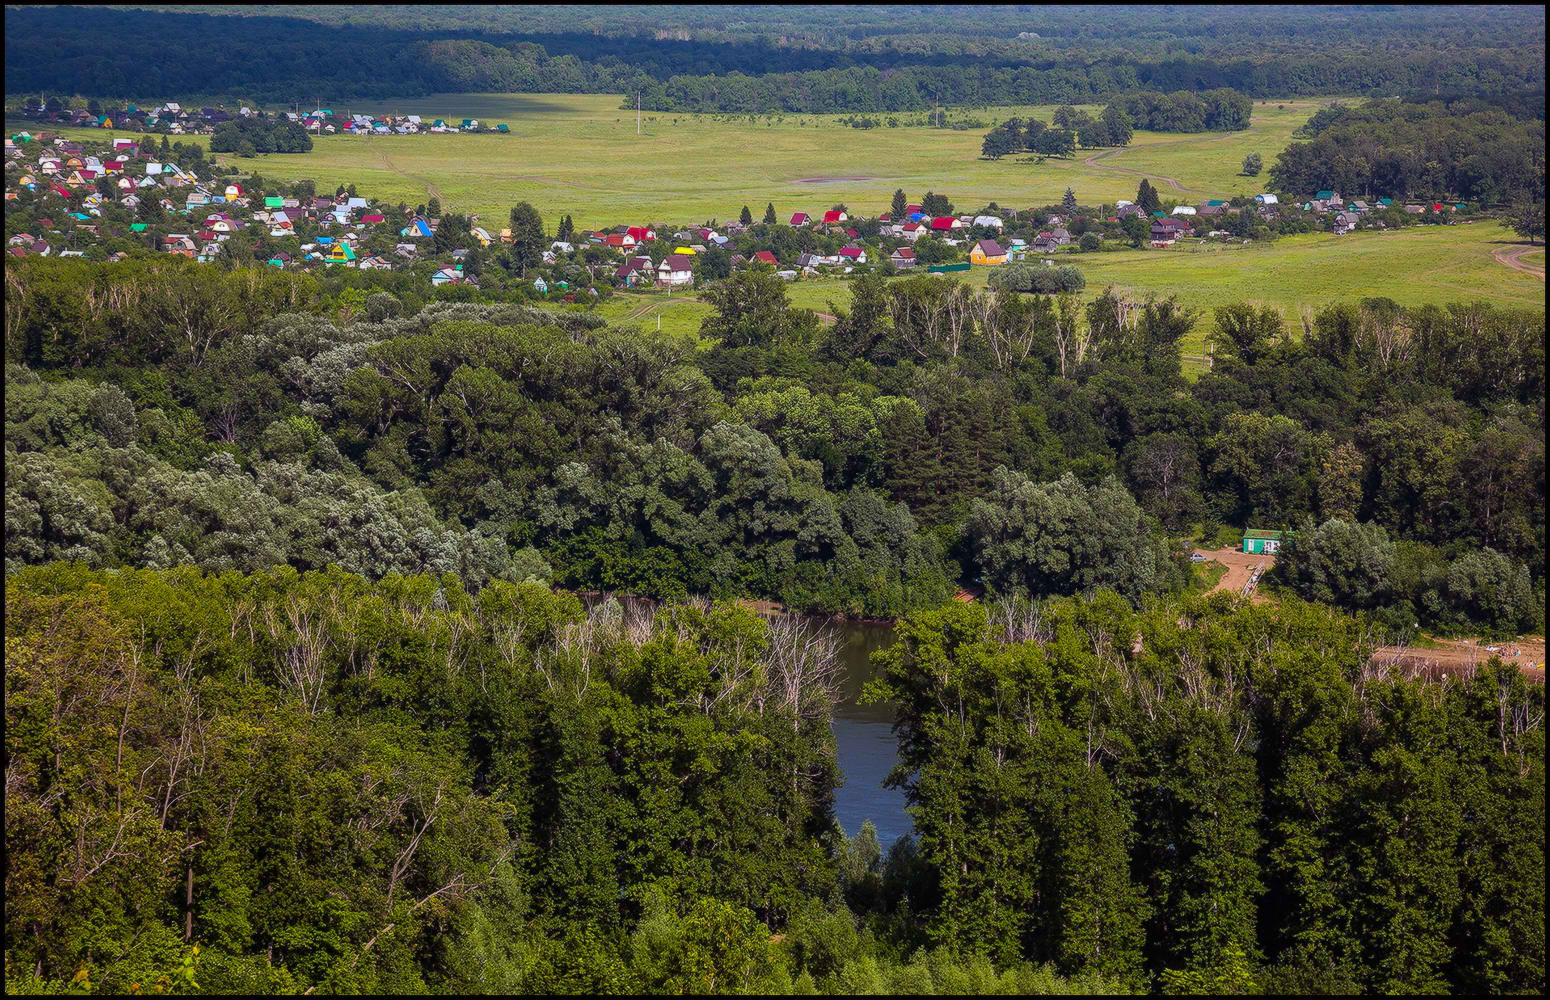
[431,190]
[1511,256]
[1093,160]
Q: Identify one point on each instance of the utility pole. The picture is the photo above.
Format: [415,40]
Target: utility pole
[637,114]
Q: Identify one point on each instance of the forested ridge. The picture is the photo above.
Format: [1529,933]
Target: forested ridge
[162,413]
[936,55]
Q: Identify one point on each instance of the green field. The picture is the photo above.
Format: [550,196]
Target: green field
[1419,266]
[578,154]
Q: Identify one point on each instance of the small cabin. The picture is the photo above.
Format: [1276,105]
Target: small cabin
[1259,542]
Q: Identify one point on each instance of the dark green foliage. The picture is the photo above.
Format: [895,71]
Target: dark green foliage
[870,61]
[1221,797]
[1466,150]
[258,134]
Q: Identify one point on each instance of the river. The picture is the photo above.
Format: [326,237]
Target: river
[864,742]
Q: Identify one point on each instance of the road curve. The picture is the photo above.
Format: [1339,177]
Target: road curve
[1511,256]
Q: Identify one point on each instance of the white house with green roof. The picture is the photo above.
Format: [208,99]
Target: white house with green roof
[1261,542]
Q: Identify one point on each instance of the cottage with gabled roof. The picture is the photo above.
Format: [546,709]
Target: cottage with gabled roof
[675,269]
[987,253]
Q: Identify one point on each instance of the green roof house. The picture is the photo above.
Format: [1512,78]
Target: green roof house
[274,202]
[1261,542]
[502,128]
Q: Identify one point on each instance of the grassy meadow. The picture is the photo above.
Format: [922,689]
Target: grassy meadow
[1419,266]
[578,154]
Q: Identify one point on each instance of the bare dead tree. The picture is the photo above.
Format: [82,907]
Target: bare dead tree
[1073,337]
[957,319]
[1017,619]
[803,666]
[304,646]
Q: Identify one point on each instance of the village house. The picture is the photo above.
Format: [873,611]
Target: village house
[675,270]
[635,271]
[987,253]
[1166,231]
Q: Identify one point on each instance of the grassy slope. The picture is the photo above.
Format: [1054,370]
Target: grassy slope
[1431,264]
[578,154]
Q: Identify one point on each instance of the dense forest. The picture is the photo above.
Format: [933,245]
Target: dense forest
[877,63]
[1466,149]
[365,636]
[162,413]
[283,783]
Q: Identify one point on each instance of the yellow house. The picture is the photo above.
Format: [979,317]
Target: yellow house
[987,253]
[686,251]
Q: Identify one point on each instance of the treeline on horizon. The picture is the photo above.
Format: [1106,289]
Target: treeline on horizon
[163,413]
[282,783]
[122,54]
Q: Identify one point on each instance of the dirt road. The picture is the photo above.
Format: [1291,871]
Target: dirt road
[1240,568]
[1095,160]
[1511,256]
[1461,656]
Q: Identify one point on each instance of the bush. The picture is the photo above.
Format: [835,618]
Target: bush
[1039,279]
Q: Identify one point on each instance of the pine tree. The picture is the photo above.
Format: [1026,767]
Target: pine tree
[527,236]
[1068,203]
[900,205]
[769,214]
[746,218]
[1146,197]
